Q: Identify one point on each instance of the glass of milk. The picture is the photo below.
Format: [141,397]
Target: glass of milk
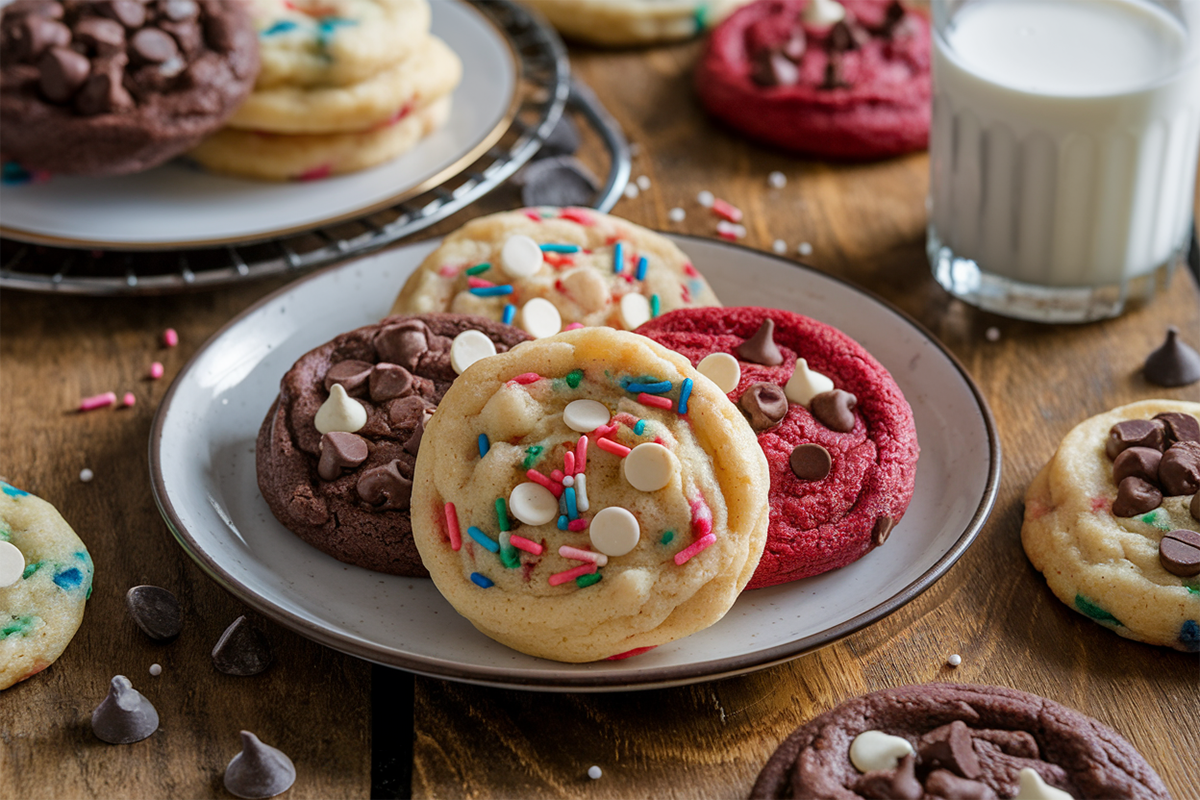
[1063,151]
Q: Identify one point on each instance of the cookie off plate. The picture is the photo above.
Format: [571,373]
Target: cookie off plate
[211,502]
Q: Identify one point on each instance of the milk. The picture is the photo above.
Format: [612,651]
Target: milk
[1064,139]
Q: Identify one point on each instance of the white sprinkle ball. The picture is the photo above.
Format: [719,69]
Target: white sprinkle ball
[954,660]
[568,480]
[804,249]
[594,772]
[779,246]
[631,190]
[992,334]
[156,670]
[643,182]
[635,149]
[777,180]
[705,198]
[86,475]
[676,215]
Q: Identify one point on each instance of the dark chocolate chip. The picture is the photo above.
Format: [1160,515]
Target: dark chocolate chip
[351,374]
[385,488]
[1019,744]
[413,443]
[187,36]
[1136,496]
[944,784]
[1180,427]
[340,450]
[156,612]
[558,181]
[1194,506]
[403,343]
[242,650]
[950,746]
[773,68]
[765,404]
[178,10]
[810,462]
[835,410]
[1141,462]
[833,75]
[153,46]
[35,8]
[389,381]
[125,715]
[760,348]
[406,412]
[1179,553]
[841,38]
[62,72]
[103,92]
[36,34]
[563,139]
[882,530]
[100,35]
[130,13]
[892,784]
[1179,470]
[1175,363]
[1135,433]
[259,770]
[796,45]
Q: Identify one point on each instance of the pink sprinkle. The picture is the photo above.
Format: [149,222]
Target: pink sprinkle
[533,215]
[577,525]
[581,454]
[605,430]
[572,326]
[571,574]
[684,555]
[690,271]
[478,283]
[316,173]
[576,215]
[637,651]
[527,377]
[537,477]
[566,551]
[656,400]
[569,462]
[556,475]
[616,448]
[726,234]
[97,401]
[449,270]
[128,399]
[170,337]
[684,294]
[726,210]
[701,519]
[156,370]
[521,543]
[452,527]
[1100,504]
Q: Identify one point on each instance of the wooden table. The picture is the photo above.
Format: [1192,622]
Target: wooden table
[330,712]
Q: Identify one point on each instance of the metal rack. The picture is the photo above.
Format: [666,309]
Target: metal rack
[545,89]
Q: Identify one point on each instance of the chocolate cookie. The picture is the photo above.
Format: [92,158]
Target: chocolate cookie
[945,740]
[111,87]
[335,454]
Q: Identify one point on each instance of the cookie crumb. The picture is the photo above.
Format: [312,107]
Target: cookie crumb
[705,198]
[594,772]
[631,191]
[954,660]
[992,334]
[779,246]
[777,180]
[156,670]
[86,475]
[643,182]
[804,249]
[676,215]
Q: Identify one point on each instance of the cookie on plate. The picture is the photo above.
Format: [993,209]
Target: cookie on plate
[847,80]
[336,452]
[619,23]
[45,579]
[547,268]
[588,496]
[948,740]
[1113,523]
[837,432]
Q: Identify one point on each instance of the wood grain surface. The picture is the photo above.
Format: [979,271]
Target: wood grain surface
[866,224]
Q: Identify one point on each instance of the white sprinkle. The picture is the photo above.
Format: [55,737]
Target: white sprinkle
[594,772]
[631,190]
[954,660]
[777,180]
[804,249]
[86,475]
[643,183]
[992,334]
[705,198]
[635,149]
[156,670]
[676,215]
[779,246]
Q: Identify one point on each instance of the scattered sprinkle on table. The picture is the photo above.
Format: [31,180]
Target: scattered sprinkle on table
[676,215]
[594,772]
[954,660]
[777,180]
[97,401]
[643,182]
[128,400]
[156,670]
[156,370]
[992,334]
[705,198]
[170,337]
[631,190]
[86,475]
[779,246]
[804,249]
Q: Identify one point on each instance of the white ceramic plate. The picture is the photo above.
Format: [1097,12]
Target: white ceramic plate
[180,205]
[202,468]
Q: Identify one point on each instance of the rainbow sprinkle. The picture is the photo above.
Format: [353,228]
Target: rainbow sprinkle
[537,477]
[577,525]
[510,313]
[655,387]
[684,555]
[452,527]
[654,305]
[641,269]
[584,581]
[616,448]
[685,392]
[658,401]
[491,291]
[560,248]
[485,541]
[571,574]
[478,268]
[526,378]
[639,427]
[575,554]
[484,445]
[618,256]
[521,543]
[481,581]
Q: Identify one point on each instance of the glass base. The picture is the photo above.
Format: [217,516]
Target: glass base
[964,279]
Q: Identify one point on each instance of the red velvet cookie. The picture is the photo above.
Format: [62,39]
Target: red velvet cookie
[783,72]
[841,443]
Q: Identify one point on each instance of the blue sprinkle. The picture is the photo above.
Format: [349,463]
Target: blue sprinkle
[13,491]
[1189,636]
[639,427]
[68,578]
[14,173]
[510,313]
[560,248]
[641,269]
[685,392]
[484,540]
[562,522]
[661,387]
[491,291]
[618,257]
[283,26]
[572,504]
[484,445]
[481,581]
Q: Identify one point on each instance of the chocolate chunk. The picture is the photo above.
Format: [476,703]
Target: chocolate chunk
[1135,433]
[1175,363]
[388,381]
[62,71]
[125,715]
[1179,553]
[944,784]
[950,746]
[558,181]
[1141,462]
[773,68]
[842,38]
[340,450]
[178,10]
[835,410]
[810,462]
[1179,470]
[406,412]
[351,374]
[100,35]
[1136,496]
[765,404]
[103,92]
[882,530]
[130,13]
[1180,427]
[259,771]
[242,650]
[893,784]
[1194,506]
[153,46]
[385,488]
[413,443]
[403,343]
[35,35]
[760,348]
[156,612]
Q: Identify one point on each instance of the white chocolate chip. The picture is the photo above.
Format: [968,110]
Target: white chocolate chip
[1032,787]
[614,531]
[634,310]
[824,12]
[468,347]
[722,369]
[340,412]
[581,500]
[520,256]
[649,467]
[12,564]
[533,503]
[805,384]
[585,416]
[876,750]
[539,318]
[585,286]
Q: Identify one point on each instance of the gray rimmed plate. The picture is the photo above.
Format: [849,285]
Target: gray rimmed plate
[202,469]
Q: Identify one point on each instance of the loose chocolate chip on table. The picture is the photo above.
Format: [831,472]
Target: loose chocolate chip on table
[765,404]
[385,488]
[835,410]
[351,374]
[63,71]
[156,612]
[125,715]
[1135,496]
[1179,553]
[882,530]
[810,462]
[389,381]
[1174,363]
[1180,427]
[340,450]
[1141,462]
[558,181]
[259,771]
[1179,470]
[760,348]
[1135,433]
[242,650]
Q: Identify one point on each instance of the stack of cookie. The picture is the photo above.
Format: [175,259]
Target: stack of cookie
[345,85]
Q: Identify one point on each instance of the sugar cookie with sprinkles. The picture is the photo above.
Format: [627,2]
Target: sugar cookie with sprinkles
[589,496]
[619,23]
[547,269]
[45,579]
[837,432]
[1113,522]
